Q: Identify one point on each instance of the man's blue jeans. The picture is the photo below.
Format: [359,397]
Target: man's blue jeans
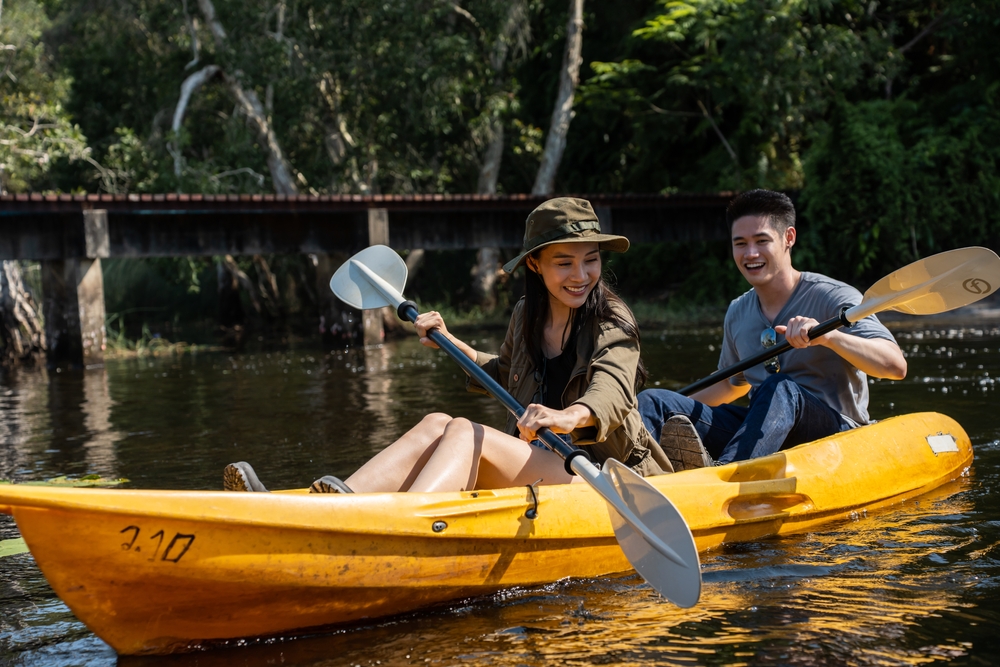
[781,414]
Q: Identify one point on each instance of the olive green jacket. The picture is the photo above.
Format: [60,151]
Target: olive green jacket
[603,379]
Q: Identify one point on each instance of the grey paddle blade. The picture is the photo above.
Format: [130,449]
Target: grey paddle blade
[355,288]
[678,582]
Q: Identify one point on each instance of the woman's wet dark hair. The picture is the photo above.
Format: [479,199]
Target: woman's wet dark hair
[601,306]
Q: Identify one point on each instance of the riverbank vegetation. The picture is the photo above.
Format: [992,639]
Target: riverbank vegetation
[881,118]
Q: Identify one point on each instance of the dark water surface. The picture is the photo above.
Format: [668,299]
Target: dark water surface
[913,584]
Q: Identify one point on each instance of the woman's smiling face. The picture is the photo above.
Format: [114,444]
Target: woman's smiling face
[569,271]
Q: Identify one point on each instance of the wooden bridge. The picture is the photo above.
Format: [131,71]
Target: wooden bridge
[70,234]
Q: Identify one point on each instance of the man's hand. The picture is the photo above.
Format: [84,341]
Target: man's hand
[796,332]
[877,357]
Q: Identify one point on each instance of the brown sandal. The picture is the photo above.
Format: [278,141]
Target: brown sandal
[241,477]
[329,484]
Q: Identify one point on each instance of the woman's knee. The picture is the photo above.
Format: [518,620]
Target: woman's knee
[436,421]
[459,426]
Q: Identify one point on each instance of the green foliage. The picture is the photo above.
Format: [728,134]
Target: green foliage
[363,96]
[893,179]
[734,87]
[13,547]
[883,114]
[443,278]
[157,291]
[681,275]
[36,132]
[888,183]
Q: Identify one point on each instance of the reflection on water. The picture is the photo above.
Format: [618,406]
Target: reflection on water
[908,585]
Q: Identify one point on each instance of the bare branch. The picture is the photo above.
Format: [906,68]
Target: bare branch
[516,33]
[195,43]
[718,132]
[928,29]
[666,112]
[230,265]
[191,84]
[218,32]
[923,33]
[281,176]
[217,178]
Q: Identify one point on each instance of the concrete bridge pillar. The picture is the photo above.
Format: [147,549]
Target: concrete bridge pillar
[73,290]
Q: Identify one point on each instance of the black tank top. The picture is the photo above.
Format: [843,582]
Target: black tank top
[555,373]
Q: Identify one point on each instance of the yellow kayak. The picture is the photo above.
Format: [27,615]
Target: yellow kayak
[165,571]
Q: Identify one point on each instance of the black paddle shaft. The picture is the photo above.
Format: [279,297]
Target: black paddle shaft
[408,311]
[784,346]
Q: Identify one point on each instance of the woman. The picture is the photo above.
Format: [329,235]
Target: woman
[571,355]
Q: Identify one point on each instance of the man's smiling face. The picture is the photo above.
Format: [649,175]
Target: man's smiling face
[760,251]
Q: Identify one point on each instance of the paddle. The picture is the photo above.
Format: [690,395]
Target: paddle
[651,532]
[932,285]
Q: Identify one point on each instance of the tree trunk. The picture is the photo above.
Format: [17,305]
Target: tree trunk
[484,276]
[231,279]
[490,169]
[22,335]
[562,113]
[487,268]
[267,284]
[281,172]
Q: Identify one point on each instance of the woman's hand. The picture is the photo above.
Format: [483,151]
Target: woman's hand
[433,320]
[427,321]
[538,416]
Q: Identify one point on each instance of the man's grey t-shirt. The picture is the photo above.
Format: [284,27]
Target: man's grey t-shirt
[817,369]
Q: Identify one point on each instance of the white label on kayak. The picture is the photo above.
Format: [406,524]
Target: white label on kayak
[942,443]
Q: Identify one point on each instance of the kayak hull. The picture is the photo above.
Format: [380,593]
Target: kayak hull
[165,571]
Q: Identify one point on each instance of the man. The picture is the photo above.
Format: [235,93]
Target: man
[816,389]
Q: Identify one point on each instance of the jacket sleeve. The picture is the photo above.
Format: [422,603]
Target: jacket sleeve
[497,366]
[611,392]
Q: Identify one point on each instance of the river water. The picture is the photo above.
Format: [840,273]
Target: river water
[912,584]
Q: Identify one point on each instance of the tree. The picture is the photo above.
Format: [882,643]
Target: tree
[358,96]
[913,171]
[36,132]
[735,86]
[562,111]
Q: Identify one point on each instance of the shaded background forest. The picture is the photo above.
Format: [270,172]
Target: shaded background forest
[880,117]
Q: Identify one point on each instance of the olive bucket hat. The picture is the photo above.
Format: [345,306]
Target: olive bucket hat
[564,220]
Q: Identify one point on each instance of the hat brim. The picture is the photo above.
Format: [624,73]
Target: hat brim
[609,242]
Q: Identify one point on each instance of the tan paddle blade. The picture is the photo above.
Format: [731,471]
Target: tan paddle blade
[935,284]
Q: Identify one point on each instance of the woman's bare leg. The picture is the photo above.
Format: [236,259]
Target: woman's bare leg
[471,455]
[396,466]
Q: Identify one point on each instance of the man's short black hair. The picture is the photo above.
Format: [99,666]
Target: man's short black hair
[774,206]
